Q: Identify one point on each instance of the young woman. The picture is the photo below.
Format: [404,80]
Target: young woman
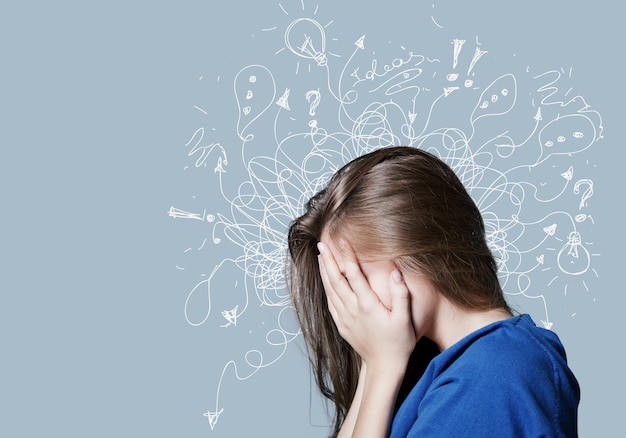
[407,327]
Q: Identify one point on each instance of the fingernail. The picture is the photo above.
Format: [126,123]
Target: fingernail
[397,276]
[320,247]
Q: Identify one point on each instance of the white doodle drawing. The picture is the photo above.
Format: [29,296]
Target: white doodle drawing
[573,258]
[512,138]
[306,38]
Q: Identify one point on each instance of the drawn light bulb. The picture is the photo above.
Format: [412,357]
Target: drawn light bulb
[573,258]
[306,38]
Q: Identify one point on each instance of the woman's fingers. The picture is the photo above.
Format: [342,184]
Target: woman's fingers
[332,309]
[336,286]
[354,274]
[400,297]
[351,283]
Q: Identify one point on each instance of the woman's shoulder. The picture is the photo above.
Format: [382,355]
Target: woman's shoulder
[510,376]
[511,349]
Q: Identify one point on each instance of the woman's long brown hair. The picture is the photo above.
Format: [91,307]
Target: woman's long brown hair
[400,204]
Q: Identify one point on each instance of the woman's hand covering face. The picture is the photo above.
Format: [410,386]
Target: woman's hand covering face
[382,336]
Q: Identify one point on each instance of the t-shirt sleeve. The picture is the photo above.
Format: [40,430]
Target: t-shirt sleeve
[507,397]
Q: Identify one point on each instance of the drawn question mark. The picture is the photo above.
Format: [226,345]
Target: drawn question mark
[587,194]
[313,97]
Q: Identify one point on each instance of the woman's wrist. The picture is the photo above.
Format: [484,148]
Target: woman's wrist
[387,369]
[387,375]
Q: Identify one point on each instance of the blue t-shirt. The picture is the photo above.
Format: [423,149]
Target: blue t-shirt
[507,379]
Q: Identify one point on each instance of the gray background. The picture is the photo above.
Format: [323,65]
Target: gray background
[97,103]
